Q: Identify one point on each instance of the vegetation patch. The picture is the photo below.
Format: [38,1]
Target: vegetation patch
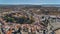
[21,20]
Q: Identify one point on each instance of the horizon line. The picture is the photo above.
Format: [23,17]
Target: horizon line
[28,3]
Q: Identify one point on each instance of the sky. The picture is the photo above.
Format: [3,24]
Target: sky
[37,2]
